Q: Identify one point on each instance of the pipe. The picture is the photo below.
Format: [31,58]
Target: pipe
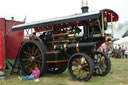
[77,46]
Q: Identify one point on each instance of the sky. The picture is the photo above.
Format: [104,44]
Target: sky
[36,10]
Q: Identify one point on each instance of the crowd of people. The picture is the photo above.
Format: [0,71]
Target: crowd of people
[120,52]
[115,52]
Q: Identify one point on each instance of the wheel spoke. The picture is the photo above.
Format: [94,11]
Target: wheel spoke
[27,56]
[27,53]
[36,51]
[85,65]
[30,70]
[81,77]
[33,49]
[38,61]
[27,65]
[78,74]
[78,61]
[87,69]
[74,63]
[38,56]
[25,59]
[29,49]
[85,74]
[74,68]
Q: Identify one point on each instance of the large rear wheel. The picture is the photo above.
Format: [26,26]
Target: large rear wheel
[80,67]
[32,53]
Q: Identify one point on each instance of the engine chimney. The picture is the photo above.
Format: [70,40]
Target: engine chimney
[12,18]
[85,25]
[84,6]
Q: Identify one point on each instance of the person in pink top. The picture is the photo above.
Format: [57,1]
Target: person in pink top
[35,75]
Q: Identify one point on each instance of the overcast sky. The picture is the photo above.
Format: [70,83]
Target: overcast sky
[44,9]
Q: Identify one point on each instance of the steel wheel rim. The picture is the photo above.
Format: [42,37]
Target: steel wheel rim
[79,68]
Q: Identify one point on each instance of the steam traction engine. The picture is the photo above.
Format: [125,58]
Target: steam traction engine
[67,42]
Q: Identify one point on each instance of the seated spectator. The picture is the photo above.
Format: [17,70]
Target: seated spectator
[34,76]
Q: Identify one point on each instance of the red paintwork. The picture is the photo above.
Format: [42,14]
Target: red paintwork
[13,39]
[2,43]
[107,13]
[39,29]
[9,41]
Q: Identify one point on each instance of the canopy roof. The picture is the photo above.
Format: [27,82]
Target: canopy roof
[68,20]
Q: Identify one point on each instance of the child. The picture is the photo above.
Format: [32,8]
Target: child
[34,76]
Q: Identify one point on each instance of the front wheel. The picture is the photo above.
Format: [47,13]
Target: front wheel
[80,67]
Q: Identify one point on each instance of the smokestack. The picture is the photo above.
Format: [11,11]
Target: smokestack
[12,18]
[85,10]
[84,6]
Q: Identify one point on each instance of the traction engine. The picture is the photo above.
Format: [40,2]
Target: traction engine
[67,42]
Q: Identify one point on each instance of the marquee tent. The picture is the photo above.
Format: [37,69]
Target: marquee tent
[122,41]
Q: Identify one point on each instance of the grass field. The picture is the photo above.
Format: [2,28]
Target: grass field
[117,76]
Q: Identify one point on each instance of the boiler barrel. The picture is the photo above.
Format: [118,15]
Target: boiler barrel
[77,46]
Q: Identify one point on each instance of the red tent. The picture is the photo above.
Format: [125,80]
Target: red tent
[9,41]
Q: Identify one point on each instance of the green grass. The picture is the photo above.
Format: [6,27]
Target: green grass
[117,76]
